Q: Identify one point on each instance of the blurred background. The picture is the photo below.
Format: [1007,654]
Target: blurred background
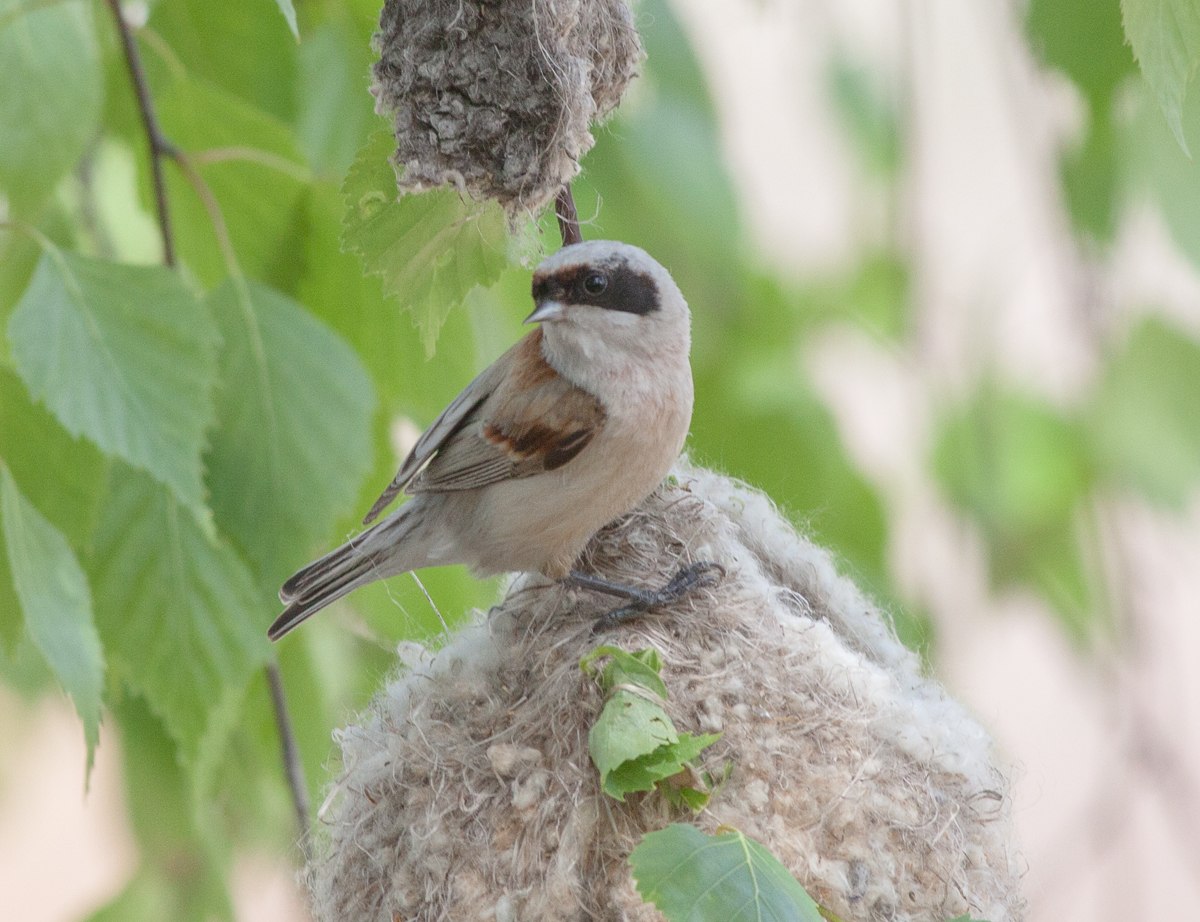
[943,263]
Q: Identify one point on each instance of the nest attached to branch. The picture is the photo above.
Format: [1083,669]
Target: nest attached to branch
[467,791]
[497,96]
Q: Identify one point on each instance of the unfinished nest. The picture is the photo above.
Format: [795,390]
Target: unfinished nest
[467,791]
[497,96]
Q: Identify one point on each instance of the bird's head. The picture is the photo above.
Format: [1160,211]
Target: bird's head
[610,304]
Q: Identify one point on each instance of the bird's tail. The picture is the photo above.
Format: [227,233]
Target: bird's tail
[375,554]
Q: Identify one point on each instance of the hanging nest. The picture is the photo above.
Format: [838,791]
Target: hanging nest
[467,791]
[498,97]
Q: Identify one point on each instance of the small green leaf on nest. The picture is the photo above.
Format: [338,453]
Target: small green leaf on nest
[633,744]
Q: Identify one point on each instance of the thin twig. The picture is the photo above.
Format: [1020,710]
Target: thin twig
[568,217]
[291,754]
[159,146]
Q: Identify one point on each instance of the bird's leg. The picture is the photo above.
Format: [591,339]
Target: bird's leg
[640,601]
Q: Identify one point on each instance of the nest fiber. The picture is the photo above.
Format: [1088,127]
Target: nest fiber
[467,792]
[497,96]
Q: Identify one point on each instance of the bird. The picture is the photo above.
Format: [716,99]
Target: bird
[570,428]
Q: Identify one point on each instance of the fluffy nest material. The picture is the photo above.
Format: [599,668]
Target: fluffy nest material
[497,96]
[467,791]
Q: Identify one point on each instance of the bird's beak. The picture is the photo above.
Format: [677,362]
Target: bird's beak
[547,310]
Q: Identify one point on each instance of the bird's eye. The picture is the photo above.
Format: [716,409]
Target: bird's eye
[595,283]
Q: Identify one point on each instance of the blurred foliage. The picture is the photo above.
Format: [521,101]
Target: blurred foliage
[173,443]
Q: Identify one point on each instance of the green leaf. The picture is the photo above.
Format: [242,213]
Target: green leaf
[633,743]
[1083,39]
[1153,158]
[639,669]
[647,770]
[289,13]
[1165,35]
[237,47]
[125,356]
[50,109]
[334,108]
[1022,472]
[252,165]
[1144,420]
[629,729]
[56,603]
[65,478]
[431,248]
[1012,460]
[1089,176]
[293,439]
[694,877]
[177,612]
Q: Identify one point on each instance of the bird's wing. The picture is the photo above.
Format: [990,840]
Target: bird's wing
[442,428]
[534,421]
[518,418]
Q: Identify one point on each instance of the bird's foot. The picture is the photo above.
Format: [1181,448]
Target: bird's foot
[639,601]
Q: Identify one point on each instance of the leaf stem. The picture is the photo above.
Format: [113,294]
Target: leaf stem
[160,147]
[291,754]
[568,217]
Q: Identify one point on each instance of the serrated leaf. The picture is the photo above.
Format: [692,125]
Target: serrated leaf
[1144,422]
[633,743]
[50,109]
[125,356]
[64,477]
[630,729]
[694,877]
[177,611]
[646,771]
[293,438]
[56,603]
[1165,35]
[431,248]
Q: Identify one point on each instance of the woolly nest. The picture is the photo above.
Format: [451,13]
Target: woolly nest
[497,96]
[467,792]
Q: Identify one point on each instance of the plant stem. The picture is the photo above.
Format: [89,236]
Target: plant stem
[160,147]
[568,217]
[287,744]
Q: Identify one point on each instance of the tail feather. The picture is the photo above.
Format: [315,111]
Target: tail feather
[359,572]
[373,555]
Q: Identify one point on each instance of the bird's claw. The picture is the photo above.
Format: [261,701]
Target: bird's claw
[702,575]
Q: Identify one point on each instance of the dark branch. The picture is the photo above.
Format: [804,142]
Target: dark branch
[291,755]
[160,147]
[568,217]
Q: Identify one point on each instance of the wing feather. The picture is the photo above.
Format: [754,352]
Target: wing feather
[536,421]
[443,428]
[520,417]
